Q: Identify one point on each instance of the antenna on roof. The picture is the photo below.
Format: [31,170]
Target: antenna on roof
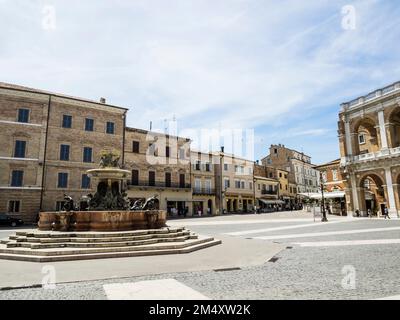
[151,125]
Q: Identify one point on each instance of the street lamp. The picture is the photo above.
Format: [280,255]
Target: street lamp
[323,219]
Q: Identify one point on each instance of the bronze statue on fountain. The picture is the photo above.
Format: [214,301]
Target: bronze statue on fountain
[109,208]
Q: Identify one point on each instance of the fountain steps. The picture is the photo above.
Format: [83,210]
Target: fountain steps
[35,240]
[62,254]
[40,246]
[96,234]
[97,244]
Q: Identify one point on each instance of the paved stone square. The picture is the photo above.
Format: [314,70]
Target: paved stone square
[307,260]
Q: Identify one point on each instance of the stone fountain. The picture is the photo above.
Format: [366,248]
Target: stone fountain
[108,209]
[108,228]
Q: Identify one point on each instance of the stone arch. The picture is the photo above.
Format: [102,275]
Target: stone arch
[367,127]
[372,193]
[393,127]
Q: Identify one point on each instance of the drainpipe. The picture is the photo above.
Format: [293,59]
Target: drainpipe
[45,155]
[123,141]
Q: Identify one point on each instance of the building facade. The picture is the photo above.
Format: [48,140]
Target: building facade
[334,187]
[160,166]
[203,183]
[300,170]
[234,183]
[369,139]
[48,142]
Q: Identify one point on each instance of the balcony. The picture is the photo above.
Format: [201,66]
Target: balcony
[203,191]
[271,192]
[158,184]
[382,154]
[375,95]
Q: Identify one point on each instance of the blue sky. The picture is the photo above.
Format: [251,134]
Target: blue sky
[279,67]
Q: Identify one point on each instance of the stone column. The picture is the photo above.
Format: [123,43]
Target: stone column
[349,147]
[396,188]
[390,192]
[354,195]
[382,130]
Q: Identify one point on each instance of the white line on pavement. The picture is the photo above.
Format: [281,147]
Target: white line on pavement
[164,289]
[259,221]
[327,233]
[346,243]
[390,298]
[314,224]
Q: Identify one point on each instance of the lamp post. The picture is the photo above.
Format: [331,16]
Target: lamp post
[323,219]
[221,166]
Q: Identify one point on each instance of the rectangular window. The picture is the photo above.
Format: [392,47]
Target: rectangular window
[207,185]
[251,185]
[167,152]
[152,178]
[197,165]
[14,206]
[17,177]
[20,147]
[242,185]
[110,128]
[64,152]
[59,205]
[227,183]
[89,124]
[181,153]
[62,180]
[237,184]
[135,146]
[225,166]
[23,115]
[361,138]
[334,175]
[87,154]
[197,185]
[67,121]
[85,181]
[152,149]
[168,179]
[135,177]
[182,180]
[208,166]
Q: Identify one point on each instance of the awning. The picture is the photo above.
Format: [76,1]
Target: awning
[327,195]
[272,201]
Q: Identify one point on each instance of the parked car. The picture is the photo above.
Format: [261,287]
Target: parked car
[6,220]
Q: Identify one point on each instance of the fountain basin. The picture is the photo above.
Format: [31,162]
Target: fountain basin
[102,220]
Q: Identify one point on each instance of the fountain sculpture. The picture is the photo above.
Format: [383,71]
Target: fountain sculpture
[108,209]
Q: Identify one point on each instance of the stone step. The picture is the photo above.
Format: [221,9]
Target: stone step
[102,239]
[72,251]
[189,246]
[96,234]
[4,241]
[100,244]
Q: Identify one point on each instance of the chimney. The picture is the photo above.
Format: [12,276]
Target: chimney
[102,100]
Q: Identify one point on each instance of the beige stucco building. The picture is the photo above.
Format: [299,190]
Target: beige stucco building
[234,183]
[203,183]
[159,165]
[369,139]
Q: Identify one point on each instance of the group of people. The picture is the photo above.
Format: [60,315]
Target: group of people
[385,213]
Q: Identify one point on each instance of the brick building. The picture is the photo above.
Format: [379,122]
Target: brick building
[48,141]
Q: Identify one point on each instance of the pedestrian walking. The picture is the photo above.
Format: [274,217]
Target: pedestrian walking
[386,213]
[369,213]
